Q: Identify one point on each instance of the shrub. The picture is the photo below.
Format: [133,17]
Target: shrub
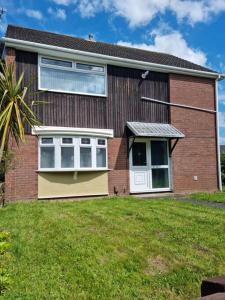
[6,163]
[222,159]
[4,247]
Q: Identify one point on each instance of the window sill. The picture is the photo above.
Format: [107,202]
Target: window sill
[72,170]
[72,93]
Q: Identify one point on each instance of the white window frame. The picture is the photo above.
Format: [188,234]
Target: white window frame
[57,144]
[101,146]
[48,145]
[149,167]
[73,69]
[90,146]
[66,145]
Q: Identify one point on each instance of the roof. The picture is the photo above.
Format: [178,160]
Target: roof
[74,43]
[154,130]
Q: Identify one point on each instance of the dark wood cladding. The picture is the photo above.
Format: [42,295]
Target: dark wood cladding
[125,88]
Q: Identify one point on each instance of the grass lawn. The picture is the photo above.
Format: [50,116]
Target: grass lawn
[213,197]
[118,248]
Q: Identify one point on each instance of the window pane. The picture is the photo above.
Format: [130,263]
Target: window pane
[67,140]
[85,157]
[67,157]
[85,141]
[101,142]
[160,178]
[56,62]
[47,140]
[139,154]
[89,67]
[61,80]
[47,157]
[101,157]
[159,153]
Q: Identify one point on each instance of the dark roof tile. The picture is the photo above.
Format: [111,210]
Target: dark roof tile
[75,43]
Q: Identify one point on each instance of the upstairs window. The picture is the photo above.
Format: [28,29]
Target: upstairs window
[69,76]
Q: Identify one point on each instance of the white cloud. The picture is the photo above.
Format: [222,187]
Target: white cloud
[222,119]
[142,12]
[57,13]
[172,43]
[222,140]
[3,25]
[64,2]
[36,14]
[221,97]
[89,8]
[139,12]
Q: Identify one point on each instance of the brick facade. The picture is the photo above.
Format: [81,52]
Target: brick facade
[21,180]
[196,154]
[119,166]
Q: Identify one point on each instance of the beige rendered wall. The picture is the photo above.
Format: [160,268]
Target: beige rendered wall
[72,184]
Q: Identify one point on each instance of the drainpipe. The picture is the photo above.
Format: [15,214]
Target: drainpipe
[217,133]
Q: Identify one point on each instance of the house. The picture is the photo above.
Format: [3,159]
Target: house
[117,120]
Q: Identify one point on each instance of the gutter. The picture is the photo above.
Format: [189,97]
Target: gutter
[218,134]
[106,59]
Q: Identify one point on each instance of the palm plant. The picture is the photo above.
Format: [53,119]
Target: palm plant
[14,110]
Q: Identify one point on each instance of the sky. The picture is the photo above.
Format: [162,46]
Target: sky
[191,29]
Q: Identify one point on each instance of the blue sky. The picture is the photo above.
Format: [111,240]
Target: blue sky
[192,29]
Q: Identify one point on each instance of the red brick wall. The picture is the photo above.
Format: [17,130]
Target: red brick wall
[21,180]
[118,163]
[196,154]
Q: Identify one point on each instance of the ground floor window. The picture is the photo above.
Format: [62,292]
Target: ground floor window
[149,165]
[72,153]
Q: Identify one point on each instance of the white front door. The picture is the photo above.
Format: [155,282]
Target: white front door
[149,166]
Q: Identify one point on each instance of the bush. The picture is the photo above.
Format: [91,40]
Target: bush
[222,159]
[4,247]
[5,164]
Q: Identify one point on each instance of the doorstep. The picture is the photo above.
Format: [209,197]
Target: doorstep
[155,195]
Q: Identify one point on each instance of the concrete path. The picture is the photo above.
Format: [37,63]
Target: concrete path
[182,199]
[201,202]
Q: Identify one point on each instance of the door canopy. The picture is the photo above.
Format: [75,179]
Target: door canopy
[154,130]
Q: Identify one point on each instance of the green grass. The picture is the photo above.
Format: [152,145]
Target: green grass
[118,248]
[213,197]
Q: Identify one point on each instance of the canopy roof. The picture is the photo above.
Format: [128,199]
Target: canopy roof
[154,130]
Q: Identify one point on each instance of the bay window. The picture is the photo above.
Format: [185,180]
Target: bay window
[71,76]
[72,153]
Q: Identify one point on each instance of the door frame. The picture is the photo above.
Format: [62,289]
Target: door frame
[148,156]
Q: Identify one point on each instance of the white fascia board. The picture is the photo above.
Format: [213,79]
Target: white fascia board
[100,58]
[55,130]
